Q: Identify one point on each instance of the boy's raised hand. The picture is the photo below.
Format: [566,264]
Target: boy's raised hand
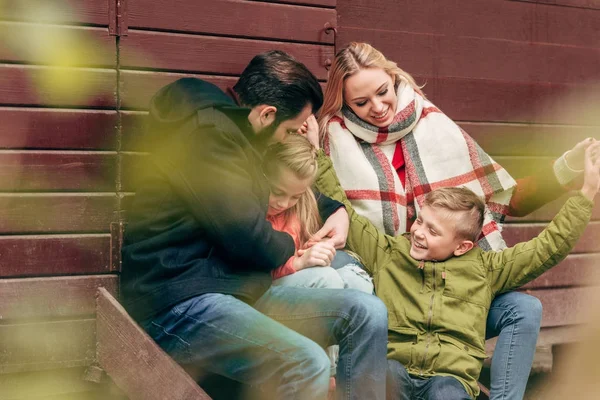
[591,174]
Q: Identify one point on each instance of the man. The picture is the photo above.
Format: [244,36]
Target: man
[198,250]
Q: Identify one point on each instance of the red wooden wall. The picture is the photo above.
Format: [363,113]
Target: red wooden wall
[72,98]
[523,78]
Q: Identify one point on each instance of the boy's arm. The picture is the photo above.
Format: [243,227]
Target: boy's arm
[515,266]
[363,237]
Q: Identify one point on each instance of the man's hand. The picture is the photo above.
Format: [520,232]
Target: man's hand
[335,228]
[591,174]
[319,255]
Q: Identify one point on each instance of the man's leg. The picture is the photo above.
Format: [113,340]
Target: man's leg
[515,318]
[398,383]
[220,334]
[441,388]
[316,277]
[356,321]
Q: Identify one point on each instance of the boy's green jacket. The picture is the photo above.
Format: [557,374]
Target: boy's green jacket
[437,311]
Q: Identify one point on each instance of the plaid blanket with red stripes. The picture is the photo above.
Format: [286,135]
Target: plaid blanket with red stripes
[437,153]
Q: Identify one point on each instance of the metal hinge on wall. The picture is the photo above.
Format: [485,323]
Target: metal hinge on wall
[117,17]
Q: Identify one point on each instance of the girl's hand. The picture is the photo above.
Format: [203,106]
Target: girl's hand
[319,255]
[575,157]
[310,129]
[591,174]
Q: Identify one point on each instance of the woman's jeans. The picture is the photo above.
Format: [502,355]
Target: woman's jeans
[515,318]
[277,345]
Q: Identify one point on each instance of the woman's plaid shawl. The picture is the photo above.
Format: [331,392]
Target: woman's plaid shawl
[437,153]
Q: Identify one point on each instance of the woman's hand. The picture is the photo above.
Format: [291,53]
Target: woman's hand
[575,157]
[318,255]
[310,130]
[591,174]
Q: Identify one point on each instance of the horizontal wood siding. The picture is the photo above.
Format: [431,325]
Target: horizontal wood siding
[59,183]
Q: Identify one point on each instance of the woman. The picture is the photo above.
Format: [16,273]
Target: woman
[390,146]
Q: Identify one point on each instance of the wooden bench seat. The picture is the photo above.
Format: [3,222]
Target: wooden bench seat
[65,338]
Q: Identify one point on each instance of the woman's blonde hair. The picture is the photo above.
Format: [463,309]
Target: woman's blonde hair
[348,61]
[298,155]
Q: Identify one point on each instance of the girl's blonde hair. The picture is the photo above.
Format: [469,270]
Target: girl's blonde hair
[348,61]
[298,155]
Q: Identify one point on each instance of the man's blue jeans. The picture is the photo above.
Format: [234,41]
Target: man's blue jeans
[277,345]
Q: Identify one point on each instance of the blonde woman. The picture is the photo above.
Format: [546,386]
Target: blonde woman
[390,146]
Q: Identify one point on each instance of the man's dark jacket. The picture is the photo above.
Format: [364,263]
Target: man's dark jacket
[198,222]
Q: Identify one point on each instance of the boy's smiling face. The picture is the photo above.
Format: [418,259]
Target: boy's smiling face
[433,235]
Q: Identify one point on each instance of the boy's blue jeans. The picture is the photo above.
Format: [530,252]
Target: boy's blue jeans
[277,345]
[401,386]
[515,318]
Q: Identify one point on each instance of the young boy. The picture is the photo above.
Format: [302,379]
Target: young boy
[438,286]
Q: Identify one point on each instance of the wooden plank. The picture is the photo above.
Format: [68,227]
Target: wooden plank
[548,211]
[575,270]
[27,385]
[138,87]
[133,124]
[56,45]
[54,212]
[56,11]
[55,297]
[43,255]
[549,336]
[313,3]
[57,171]
[53,86]
[527,139]
[132,167]
[498,19]
[236,18]
[209,54]
[47,345]
[520,167]
[95,395]
[565,306]
[482,58]
[38,128]
[590,4]
[514,233]
[502,101]
[134,361]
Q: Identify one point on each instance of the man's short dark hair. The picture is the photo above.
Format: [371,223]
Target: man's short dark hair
[277,79]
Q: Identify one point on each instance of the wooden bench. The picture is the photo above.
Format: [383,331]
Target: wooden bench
[56,342]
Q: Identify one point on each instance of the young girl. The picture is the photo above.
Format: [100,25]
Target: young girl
[291,168]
